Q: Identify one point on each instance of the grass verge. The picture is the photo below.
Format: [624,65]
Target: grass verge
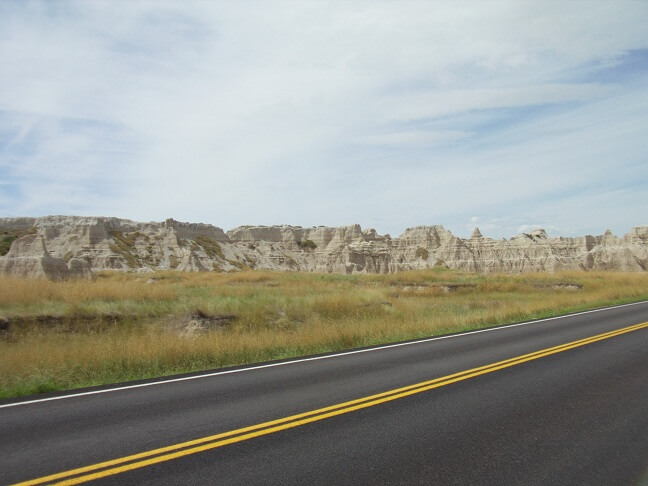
[120,327]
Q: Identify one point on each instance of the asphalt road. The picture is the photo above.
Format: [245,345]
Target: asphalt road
[576,414]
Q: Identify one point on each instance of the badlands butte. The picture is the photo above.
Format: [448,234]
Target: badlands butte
[61,247]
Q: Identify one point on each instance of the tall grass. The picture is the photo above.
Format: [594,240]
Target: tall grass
[60,335]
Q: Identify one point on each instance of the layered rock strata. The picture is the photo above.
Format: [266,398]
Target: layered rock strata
[28,257]
[69,246]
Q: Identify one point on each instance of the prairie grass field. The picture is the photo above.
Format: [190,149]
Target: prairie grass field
[121,326]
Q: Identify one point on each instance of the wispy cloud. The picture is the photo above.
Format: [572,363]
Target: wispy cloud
[327,113]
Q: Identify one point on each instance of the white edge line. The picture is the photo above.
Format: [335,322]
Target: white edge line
[315,358]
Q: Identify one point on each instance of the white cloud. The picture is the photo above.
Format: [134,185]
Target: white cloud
[320,113]
[526,228]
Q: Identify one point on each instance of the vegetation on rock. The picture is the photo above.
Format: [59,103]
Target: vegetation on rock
[7,237]
[307,244]
[211,247]
[124,246]
[5,243]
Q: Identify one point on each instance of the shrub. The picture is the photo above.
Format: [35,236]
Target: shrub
[9,235]
[307,244]
[5,244]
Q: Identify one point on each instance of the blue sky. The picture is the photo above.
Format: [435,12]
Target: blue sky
[502,115]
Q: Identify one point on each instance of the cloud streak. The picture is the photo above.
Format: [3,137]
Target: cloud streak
[382,113]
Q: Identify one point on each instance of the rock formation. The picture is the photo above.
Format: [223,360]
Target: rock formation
[28,257]
[59,247]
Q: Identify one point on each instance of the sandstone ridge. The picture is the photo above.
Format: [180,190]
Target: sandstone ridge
[59,247]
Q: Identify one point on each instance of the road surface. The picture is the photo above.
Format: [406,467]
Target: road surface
[556,401]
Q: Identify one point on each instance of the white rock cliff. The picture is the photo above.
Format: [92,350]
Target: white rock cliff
[59,247]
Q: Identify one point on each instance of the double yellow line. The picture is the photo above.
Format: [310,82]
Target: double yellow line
[155,456]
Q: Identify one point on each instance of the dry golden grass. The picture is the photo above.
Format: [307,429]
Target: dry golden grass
[18,291]
[277,315]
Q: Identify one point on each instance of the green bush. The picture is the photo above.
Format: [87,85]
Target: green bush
[307,244]
[5,244]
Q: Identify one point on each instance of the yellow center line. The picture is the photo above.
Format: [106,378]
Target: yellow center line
[219,440]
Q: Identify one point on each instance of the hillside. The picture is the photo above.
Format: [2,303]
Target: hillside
[59,247]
